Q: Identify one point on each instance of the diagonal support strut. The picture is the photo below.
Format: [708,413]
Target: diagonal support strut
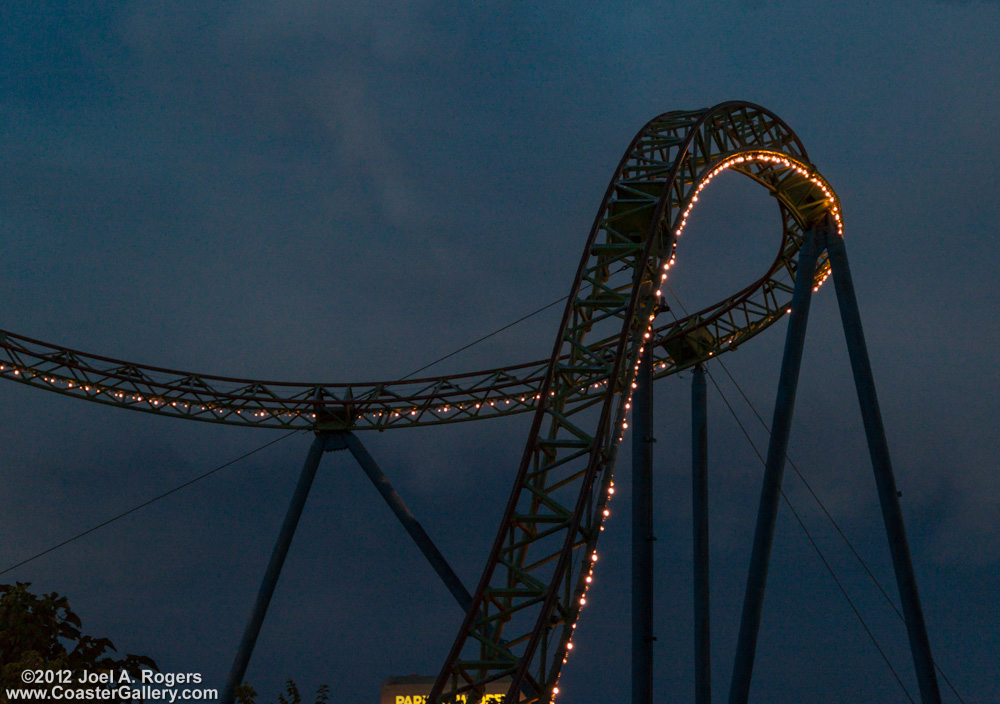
[298,502]
[885,481]
[767,513]
[326,442]
[410,523]
[824,235]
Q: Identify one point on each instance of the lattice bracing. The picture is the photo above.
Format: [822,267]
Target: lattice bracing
[535,582]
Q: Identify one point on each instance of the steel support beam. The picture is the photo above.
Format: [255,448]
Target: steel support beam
[410,523]
[767,513]
[878,448]
[326,442]
[699,511]
[642,532]
[319,445]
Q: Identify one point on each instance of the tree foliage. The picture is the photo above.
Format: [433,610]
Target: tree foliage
[245,694]
[43,633]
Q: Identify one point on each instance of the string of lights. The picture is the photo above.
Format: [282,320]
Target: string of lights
[582,394]
[402,402]
[737,161]
[245,455]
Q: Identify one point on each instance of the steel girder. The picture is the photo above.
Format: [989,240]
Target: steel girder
[534,585]
[535,582]
[450,398]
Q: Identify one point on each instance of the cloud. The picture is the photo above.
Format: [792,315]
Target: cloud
[302,72]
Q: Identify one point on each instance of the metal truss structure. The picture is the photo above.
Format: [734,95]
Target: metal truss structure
[520,620]
[534,587]
[778,161]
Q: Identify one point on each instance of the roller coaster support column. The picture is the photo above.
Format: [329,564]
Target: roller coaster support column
[699,510]
[321,444]
[642,532]
[410,523]
[879,450]
[770,495]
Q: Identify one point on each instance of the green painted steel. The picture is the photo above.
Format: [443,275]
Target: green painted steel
[384,405]
[534,585]
[535,582]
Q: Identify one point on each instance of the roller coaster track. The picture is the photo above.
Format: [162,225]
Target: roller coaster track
[534,585]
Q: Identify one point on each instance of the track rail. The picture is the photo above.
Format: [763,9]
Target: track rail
[383,405]
[525,609]
[534,585]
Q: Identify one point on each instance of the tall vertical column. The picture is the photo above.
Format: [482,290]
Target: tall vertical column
[642,532]
[699,511]
[885,481]
[767,512]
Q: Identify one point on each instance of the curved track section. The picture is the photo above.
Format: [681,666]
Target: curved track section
[491,393]
[528,601]
[534,585]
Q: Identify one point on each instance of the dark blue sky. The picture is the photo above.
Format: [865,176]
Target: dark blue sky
[313,191]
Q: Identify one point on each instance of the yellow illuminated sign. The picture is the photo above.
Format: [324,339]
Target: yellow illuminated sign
[461,699]
[415,690]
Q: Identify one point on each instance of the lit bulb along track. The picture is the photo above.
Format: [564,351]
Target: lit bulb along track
[528,601]
[534,585]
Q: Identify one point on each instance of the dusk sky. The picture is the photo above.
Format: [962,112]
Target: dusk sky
[312,191]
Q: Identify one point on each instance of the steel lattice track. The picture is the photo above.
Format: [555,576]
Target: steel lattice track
[390,404]
[528,601]
[533,587]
